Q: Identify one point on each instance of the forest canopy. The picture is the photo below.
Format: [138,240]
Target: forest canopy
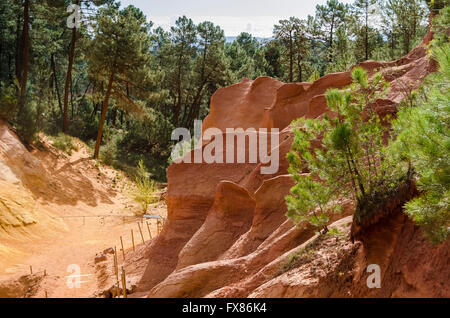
[121,84]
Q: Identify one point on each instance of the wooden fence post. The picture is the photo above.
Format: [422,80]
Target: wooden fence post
[132,240]
[142,235]
[116,270]
[123,250]
[124,284]
[149,232]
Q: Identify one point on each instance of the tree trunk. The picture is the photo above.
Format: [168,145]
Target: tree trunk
[177,107]
[9,67]
[114,117]
[39,109]
[103,117]
[366,40]
[69,78]
[55,78]
[26,55]
[18,57]
[300,73]
[94,111]
[331,40]
[71,98]
[291,60]
[1,55]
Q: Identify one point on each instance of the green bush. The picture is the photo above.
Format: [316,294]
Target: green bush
[350,160]
[64,143]
[108,153]
[26,123]
[146,189]
[423,145]
[8,103]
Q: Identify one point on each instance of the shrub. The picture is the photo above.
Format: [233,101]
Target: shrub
[8,103]
[27,126]
[146,189]
[350,160]
[63,142]
[108,152]
[422,144]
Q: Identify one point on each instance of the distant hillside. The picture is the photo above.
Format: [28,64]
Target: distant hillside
[230,39]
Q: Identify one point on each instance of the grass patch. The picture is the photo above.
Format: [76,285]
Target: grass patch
[302,256]
[335,232]
[64,143]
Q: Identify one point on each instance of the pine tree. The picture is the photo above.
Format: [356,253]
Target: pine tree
[194,63]
[348,163]
[293,37]
[330,17]
[423,142]
[125,69]
[402,20]
[24,56]
[364,11]
[73,42]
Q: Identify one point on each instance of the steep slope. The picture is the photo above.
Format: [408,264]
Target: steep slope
[58,210]
[227,234]
[19,211]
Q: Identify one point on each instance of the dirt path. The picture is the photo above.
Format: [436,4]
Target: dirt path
[79,247]
[95,210]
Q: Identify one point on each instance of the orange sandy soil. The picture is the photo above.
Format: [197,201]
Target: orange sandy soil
[76,240]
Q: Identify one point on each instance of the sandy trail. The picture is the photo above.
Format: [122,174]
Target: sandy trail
[78,246]
[94,209]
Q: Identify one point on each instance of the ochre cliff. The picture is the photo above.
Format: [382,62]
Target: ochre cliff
[227,234]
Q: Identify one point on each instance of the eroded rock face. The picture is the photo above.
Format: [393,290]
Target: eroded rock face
[19,171]
[268,216]
[410,266]
[242,105]
[227,234]
[230,217]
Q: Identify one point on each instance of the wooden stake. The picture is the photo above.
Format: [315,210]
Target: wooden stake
[149,232]
[31,270]
[46,295]
[116,270]
[123,251]
[45,272]
[132,240]
[115,263]
[124,284]
[159,226]
[140,231]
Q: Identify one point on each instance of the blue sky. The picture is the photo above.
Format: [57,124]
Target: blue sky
[234,16]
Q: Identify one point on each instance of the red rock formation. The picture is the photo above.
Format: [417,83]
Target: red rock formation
[230,217]
[227,234]
[410,266]
[242,105]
